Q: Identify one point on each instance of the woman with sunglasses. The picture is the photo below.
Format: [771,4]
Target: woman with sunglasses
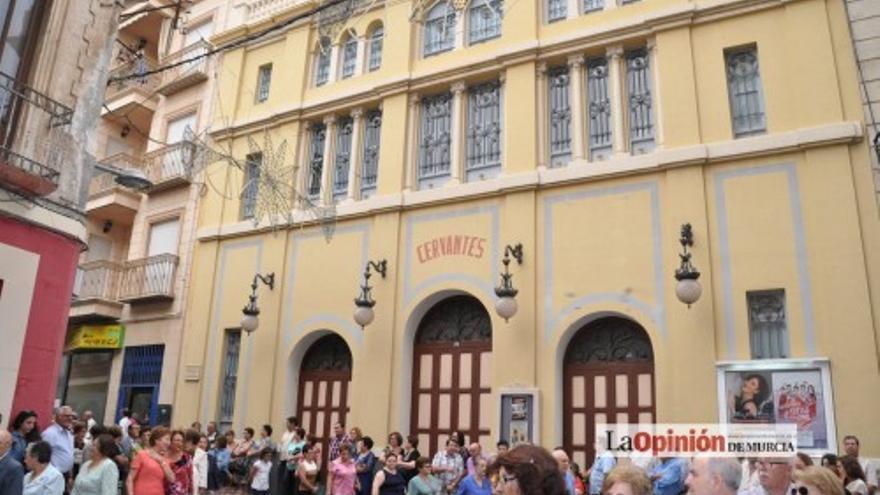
[423,483]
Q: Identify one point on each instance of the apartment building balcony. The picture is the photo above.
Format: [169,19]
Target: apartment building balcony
[29,123]
[108,199]
[185,75]
[148,279]
[96,292]
[135,97]
[169,166]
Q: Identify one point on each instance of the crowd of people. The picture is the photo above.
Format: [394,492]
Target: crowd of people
[75,455]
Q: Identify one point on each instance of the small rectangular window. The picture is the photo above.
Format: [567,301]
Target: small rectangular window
[343,159]
[435,140]
[638,85]
[484,131]
[375,59]
[484,20]
[316,162]
[768,328]
[251,187]
[744,91]
[349,57]
[370,164]
[557,10]
[264,79]
[439,31]
[560,116]
[593,5]
[322,62]
[232,346]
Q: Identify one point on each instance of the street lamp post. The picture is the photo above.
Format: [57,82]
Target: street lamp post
[688,289]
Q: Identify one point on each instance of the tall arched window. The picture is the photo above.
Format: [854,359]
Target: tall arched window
[348,57]
[374,58]
[439,29]
[322,61]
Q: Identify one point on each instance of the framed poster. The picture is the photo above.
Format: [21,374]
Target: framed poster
[518,416]
[793,391]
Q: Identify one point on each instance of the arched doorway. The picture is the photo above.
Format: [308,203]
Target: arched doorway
[608,377]
[452,370]
[324,378]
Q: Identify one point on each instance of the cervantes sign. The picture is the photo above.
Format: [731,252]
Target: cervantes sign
[97,337]
[451,245]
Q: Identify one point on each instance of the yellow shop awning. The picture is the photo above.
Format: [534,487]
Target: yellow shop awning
[97,337]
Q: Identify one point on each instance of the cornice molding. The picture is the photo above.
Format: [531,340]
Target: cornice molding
[576,172]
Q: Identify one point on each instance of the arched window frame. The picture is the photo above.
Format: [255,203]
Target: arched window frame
[348,48]
[482,29]
[323,58]
[375,42]
[437,38]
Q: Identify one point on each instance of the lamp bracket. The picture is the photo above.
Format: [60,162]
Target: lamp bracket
[687,270]
[268,279]
[515,250]
[380,266]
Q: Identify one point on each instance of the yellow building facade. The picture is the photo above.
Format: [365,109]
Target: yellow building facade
[609,127]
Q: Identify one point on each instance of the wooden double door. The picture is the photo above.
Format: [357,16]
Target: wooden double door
[608,377]
[324,380]
[452,369]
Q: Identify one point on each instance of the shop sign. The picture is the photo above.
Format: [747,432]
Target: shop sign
[97,337]
[451,245]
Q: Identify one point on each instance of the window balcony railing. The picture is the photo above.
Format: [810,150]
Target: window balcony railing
[169,166]
[30,127]
[146,84]
[103,182]
[98,280]
[148,279]
[188,74]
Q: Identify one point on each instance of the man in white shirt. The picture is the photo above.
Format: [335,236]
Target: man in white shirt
[59,437]
[851,447]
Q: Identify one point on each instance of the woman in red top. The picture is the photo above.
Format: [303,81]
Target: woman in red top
[182,466]
[149,469]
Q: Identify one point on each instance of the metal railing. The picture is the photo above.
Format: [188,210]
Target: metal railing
[99,280]
[261,9]
[103,182]
[27,161]
[169,162]
[199,66]
[147,83]
[148,278]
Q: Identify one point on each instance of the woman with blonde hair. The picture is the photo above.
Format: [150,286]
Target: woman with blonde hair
[626,479]
[814,480]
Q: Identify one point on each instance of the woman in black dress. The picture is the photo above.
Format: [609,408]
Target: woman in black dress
[389,481]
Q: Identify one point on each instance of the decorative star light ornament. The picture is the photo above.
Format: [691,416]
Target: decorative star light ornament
[272,184]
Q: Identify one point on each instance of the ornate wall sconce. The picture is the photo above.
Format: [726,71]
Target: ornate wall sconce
[688,289]
[506,305]
[250,320]
[363,313]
